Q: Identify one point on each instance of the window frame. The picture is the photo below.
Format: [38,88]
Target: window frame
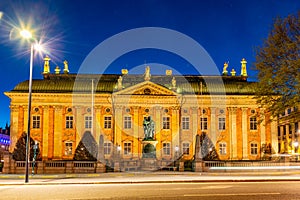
[166,123]
[221,123]
[186,148]
[68,149]
[253,123]
[107,148]
[166,148]
[253,148]
[36,121]
[204,123]
[88,122]
[127,122]
[69,122]
[107,122]
[127,148]
[223,148]
[185,122]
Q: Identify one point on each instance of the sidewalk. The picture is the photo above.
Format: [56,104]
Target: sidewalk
[148,177]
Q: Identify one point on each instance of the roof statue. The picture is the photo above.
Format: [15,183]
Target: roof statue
[46,65]
[243,67]
[57,70]
[120,84]
[147,74]
[225,72]
[173,82]
[66,67]
[233,72]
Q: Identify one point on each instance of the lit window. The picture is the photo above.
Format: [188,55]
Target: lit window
[107,122]
[107,148]
[36,121]
[203,123]
[253,148]
[222,123]
[69,121]
[222,148]
[253,123]
[127,122]
[127,148]
[186,148]
[185,123]
[166,148]
[88,122]
[68,148]
[166,122]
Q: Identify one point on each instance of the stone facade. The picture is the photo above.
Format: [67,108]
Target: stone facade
[112,109]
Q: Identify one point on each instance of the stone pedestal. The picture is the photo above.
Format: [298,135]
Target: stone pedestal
[116,167]
[7,165]
[149,164]
[100,168]
[181,166]
[149,148]
[198,166]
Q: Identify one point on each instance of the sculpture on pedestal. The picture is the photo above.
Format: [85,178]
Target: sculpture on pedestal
[149,127]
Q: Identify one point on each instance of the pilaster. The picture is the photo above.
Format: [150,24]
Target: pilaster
[175,129]
[274,137]
[213,129]
[245,133]
[45,132]
[136,131]
[58,132]
[233,135]
[118,125]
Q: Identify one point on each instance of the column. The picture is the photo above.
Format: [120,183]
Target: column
[58,132]
[135,121]
[79,121]
[233,135]
[14,126]
[45,132]
[282,144]
[118,125]
[274,137]
[245,134]
[262,132]
[158,119]
[175,127]
[213,129]
[287,131]
[97,122]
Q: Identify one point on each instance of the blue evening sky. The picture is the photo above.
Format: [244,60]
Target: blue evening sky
[228,30]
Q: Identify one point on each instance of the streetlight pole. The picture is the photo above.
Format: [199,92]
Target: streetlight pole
[29,115]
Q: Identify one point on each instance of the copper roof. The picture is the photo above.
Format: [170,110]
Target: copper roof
[189,84]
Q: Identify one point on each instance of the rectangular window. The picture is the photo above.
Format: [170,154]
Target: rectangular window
[253,149]
[88,122]
[186,148]
[185,123]
[222,148]
[166,148]
[166,122]
[127,122]
[69,121]
[203,123]
[107,122]
[107,148]
[36,121]
[221,123]
[127,148]
[68,148]
[253,123]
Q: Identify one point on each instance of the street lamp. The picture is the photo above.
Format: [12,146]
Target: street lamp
[27,35]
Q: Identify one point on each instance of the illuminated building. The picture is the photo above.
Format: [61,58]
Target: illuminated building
[112,108]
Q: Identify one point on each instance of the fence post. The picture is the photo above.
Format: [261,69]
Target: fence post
[7,164]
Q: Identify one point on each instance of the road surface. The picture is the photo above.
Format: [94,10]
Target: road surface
[205,191]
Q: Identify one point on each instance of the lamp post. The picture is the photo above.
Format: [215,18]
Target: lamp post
[27,35]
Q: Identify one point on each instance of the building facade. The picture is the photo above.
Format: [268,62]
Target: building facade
[115,108]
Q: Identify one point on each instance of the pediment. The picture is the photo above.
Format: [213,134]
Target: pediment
[146,88]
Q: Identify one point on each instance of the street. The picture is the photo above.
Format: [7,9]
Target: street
[212,191]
